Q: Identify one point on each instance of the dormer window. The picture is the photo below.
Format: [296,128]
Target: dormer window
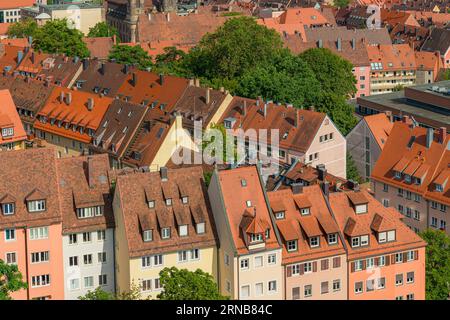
[407,178]
[243,183]
[304,211]
[165,233]
[397,174]
[36,206]
[355,242]
[332,238]
[168,202]
[361,208]
[279,215]
[314,242]
[417,181]
[291,245]
[151,204]
[256,237]
[439,187]
[200,228]
[248,203]
[90,212]
[183,230]
[364,240]
[8,209]
[184,199]
[267,234]
[7,132]
[147,235]
[382,237]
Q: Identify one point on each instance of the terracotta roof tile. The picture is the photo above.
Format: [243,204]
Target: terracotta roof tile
[380,126]
[9,118]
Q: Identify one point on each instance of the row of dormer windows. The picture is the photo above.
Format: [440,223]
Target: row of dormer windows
[314,242]
[168,201]
[408,178]
[32,206]
[90,212]
[68,126]
[183,231]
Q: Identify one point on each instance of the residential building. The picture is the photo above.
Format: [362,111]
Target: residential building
[30,221]
[69,120]
[392,67]
[366,141]
[163,219]
[304,135]
[250,254]
[10,10]
[428,66]
[13,135]
[386,260]
[411,175]
[370,36]
[439,40]
[88,225]
[314,259]
[426,104]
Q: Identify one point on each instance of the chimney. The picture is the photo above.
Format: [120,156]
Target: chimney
[102,69]
[339,44]
[90,104]
[322,172]
[19,56]
[168,17]
[163,172]
[69,98]
[61,97]
[134,79]
[265,110]
[126,69]
[222,89]
[191,82]
[389,115]
[208,95]
[442,134]
[353,43]
[161,79]
[297,119]
[319,43]
[430,136]
[90,172]
[326,188]
[244,111]
[197,82]
[85,63]
[297,188]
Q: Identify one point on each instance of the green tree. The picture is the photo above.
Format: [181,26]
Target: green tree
[333,72]
[58,37]
[11,280]
[23,28]
[226,142]
[169,61]
[437,264]
[97,294]
[187,285]
[398,87]
[445,75]
[338,109]
[132,55]
[341,3]
[102,29]
[352,172]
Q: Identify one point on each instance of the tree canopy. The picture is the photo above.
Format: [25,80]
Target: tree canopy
[23,28]
[11,280]
[437,264]
[99,294]
[102,29]
[352,171]
[57,36]
[132,55]
[341,3]
[187,285]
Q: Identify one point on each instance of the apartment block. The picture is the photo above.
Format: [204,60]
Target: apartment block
[250,254]
[163,219]
[411,175]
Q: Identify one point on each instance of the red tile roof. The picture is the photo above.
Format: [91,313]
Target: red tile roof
[393,57]
[99,47]
[14,4]
[9,118]
[380,126]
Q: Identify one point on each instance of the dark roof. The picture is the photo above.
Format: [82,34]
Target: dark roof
[83,182]
[438,40]
[376,36]
[118,126]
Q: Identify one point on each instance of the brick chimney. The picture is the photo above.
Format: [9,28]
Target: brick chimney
[69,98]
[442,134]
[90,104]
[208,95]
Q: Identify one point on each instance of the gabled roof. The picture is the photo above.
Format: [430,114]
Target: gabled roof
[438,40]
[9,118]
[380,126]
[392,57]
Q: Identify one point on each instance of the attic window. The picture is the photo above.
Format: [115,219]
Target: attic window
[151,204]
[90,212]
[397,174]
[185,199]
[256,237]
[291,245]
[200,228]
[382,237]
[417,181]
[361,208]
[243,183]
[168,202]
[304,211]
[36,206]
[439,187]
[355,242]
[279,215]
[7,132]
[407,178]
[165,233]
[147,235]
[183,230]
[248,203]
[8,209]
[314,242]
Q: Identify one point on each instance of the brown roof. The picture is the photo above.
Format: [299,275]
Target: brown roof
[40,177]
[310,175]
[99,47]
[438,40]
[84,182]
[131,189]
[375,36]
[392,57]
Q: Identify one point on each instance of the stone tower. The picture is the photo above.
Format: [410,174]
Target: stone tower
[135,8]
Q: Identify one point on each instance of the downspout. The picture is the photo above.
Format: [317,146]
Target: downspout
[26,263]
[114,259]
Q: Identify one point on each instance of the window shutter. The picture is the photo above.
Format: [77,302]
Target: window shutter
[338,262]
[302,268]
[289,271]
[376,261]
[364,264]
[393,258]
[315,266]
[387,260]
[353,266]
[416,254]
[327,264]
[405,256]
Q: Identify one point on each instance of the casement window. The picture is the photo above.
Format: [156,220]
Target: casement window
[244,264]
[410,255]
[40,281]
[10,234]
[147,235]
[101,257]
[386,202]
[168,202]
[434,204]
[358,265]
[332,238]
[385,187]
[381,261]
[272,285]
[408,212]
[314,242]
[324,264]
[243,182]
[256,237]
[36,206]
[83,213]
[295,269]
[398,257]
[74,284]
[399,298]
[38,233]
[364,240]
[146,285]
[407,178]
[304,211]
[355,242]
[73,261]
[245,291]
[157,260]
[37,257]
[165,233]
[279,215]
[336,262]
[183,256]
[151,205]
[443,207]
[361,208]
[400,208]
[11,258]
[439,187]
[382,237]
[200,228]
[146,261]
[417,197]
[258,262]
[410,296]
[101,235]
[410,277]
[248,203]
[370,285]
[434,222]
[73,238]
[307,267]
[102,280]
[291,245]
[399,279]
[87,237]
[337,285]
[416,215]
[358,287]
[381,283]
[88,282]
[370,263]
[400,192]
[296,293]
[307,291]
[8,209]
[183,230]
[195,254]
[259,287]
[87,259]
[391,235]
[442,224]
[7,132]
[324,287]
[185,199]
